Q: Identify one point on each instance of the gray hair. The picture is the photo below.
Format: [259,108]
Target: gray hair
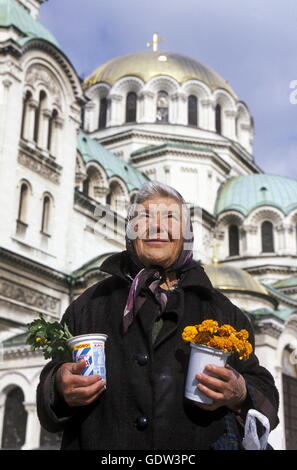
[155,188]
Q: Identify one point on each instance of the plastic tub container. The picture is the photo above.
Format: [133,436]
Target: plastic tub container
[200,357]
[91,348]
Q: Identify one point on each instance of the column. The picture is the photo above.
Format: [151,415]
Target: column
[207,118]
[44,129]
[30,120]
[33,427]
[56,137]
[4,111]
[228,127]
[148,113]
[90,121]
[179,113]
[116,116]
[253,241]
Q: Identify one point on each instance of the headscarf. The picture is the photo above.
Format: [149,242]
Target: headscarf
[151,276]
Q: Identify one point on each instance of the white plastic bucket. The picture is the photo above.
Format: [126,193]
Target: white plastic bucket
[91,348]
[200,357]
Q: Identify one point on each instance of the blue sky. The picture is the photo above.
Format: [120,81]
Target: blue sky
[251,43]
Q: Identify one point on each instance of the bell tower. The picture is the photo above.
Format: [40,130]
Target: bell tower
[32,6]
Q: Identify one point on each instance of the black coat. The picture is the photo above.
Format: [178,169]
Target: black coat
[143,406]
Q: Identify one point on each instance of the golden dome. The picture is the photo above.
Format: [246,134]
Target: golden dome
[148,64]
[227,278]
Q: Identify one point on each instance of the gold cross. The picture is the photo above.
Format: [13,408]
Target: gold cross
[155,42]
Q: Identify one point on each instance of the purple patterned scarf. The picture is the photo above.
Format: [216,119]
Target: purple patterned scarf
[151,276]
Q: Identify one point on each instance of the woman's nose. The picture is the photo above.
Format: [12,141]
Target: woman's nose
[157,224]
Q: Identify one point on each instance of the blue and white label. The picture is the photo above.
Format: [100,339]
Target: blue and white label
[94,355]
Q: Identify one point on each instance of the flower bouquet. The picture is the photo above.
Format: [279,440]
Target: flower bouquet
[56,341]
[212,344]
[51,337]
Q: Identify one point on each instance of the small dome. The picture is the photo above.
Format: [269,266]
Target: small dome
[148,64]
[14,14]
[246,193]
[228,278]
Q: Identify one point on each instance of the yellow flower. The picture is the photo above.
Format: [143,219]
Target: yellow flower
[226,330]
[242,334]
[224,337]
[203,337]
[189,334]
[41,340]
[208,325]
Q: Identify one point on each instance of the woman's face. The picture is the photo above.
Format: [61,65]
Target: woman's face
[159,231]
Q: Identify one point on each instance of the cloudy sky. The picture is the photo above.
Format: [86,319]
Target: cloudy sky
[251,43]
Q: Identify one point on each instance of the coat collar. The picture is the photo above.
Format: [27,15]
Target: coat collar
[193,275]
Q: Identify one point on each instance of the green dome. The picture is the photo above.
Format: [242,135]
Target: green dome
[246,193]
[14,14]
[93,151]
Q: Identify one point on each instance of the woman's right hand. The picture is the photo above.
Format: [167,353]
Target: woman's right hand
[78,390]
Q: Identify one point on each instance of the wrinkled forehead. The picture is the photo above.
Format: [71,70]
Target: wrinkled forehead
[159,205]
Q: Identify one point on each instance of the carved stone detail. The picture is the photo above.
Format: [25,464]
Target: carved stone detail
[186,169]
[41,165]
[38,73]
[150,171]
[29,296]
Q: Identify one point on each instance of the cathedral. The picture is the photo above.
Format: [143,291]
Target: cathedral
[74,152]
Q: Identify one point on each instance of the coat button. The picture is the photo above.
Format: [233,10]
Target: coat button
[142,359]
[141,423]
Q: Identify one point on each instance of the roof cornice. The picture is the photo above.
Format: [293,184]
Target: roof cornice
[32,266]
[120,135]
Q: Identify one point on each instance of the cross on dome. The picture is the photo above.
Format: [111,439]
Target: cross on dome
[155,42]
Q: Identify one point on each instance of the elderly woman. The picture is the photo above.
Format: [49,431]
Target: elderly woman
[154,290]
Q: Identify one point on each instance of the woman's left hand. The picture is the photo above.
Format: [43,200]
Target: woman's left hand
[227,388]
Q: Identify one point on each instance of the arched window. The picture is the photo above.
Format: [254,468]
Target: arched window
[38,113]
[233,240]
[103,113]
[131,107]
[192,111]
[95,184]
[23,203]
[218,118]
[162,107]
[86,186]
[45,220]
[26,99]
[15,420]
[267,237]
[50,137]
[115,197]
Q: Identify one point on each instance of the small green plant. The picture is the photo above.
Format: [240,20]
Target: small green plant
[51,337]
